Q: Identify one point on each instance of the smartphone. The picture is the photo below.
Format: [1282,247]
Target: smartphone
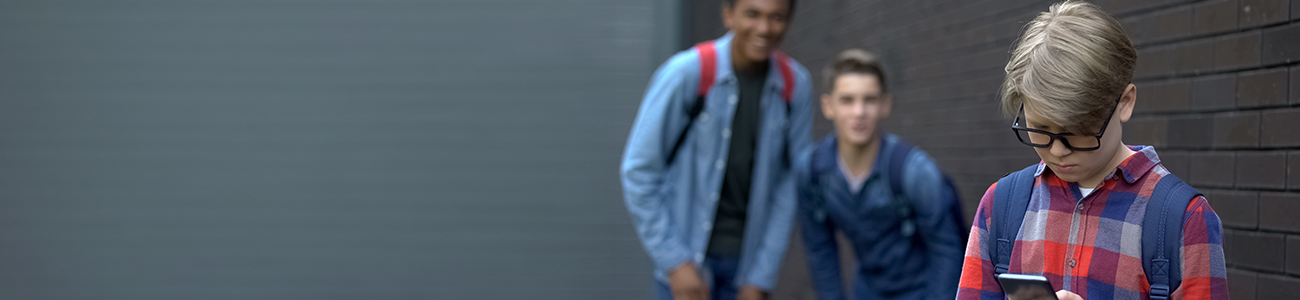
[1026,287]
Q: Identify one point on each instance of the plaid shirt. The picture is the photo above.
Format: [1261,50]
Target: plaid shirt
[1092,245]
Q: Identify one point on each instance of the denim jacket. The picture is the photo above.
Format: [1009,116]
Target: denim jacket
[889,264]
[672,206]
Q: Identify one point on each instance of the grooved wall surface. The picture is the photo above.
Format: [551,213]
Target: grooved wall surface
[333,149]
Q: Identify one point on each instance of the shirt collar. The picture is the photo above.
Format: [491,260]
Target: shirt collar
[887,141]
[1139,163]
[1132,167]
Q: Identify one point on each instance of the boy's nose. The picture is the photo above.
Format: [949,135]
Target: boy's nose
[1058,148]
[859,110]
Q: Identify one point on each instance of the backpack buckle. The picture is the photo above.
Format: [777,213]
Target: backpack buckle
[1159,292]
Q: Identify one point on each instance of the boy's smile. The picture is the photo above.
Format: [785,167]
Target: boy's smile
[759,26]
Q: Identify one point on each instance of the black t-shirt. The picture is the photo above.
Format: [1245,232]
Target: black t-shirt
[733,202]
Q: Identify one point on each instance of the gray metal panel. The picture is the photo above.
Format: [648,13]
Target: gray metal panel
[319,149]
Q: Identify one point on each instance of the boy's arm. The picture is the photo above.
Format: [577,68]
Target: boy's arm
[977,281]
[782,210]
[823,255]
[819,241]
[1204,271]
[938,227]
[660,120]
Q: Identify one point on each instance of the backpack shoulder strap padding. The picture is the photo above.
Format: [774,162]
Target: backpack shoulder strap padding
[1010,203]
[897,161]
[817,165]
[787,77]
[708,68]
[1162,233]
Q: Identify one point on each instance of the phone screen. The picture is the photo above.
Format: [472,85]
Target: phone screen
[1026,287]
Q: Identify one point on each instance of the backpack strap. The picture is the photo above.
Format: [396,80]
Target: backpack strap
[787,77]
[1162,232]
[708,68]
[1010,202]
[898,153]
[815,169]
[787,93]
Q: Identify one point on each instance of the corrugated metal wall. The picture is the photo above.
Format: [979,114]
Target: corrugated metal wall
[320,149]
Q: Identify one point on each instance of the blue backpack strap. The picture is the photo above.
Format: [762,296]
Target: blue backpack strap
[1162,232]
[815,169]
[1010,202]
[898,153]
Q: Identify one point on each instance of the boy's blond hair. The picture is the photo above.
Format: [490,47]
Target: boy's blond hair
[1071,65]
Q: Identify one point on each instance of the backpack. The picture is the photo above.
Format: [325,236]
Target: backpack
[901,203]
[708,69]
[1161,236]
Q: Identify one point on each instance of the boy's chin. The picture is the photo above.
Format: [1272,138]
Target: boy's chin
[854,140]
[1067,176]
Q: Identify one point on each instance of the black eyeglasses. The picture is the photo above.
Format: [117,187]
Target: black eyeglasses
[1043,139]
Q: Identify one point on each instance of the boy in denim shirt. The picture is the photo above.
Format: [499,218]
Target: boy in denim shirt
[898,210]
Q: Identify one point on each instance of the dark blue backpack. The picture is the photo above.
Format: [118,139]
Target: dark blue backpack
[901,203]
[1162,227]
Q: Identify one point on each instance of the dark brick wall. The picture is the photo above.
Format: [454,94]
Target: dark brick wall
[1219,96]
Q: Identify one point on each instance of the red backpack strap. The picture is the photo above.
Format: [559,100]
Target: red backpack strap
[787,75]
[708,66]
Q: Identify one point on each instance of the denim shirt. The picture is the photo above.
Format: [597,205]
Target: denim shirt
[889,264]
[672,206]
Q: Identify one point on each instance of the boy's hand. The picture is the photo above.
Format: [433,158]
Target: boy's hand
[686,283]
[1067,295]
[750,292]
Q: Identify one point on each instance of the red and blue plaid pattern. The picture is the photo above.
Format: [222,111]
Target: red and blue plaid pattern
[1092,245]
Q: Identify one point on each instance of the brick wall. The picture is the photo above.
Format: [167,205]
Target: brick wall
[1219,96]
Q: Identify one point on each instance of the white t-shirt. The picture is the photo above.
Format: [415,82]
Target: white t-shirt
[855,182]
[1085,192]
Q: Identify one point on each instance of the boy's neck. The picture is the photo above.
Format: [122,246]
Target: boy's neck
[1120,156]
[860,157]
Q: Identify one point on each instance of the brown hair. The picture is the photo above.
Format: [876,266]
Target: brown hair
[853,61]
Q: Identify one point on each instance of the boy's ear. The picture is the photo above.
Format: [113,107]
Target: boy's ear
[1126,103]
[827,110]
